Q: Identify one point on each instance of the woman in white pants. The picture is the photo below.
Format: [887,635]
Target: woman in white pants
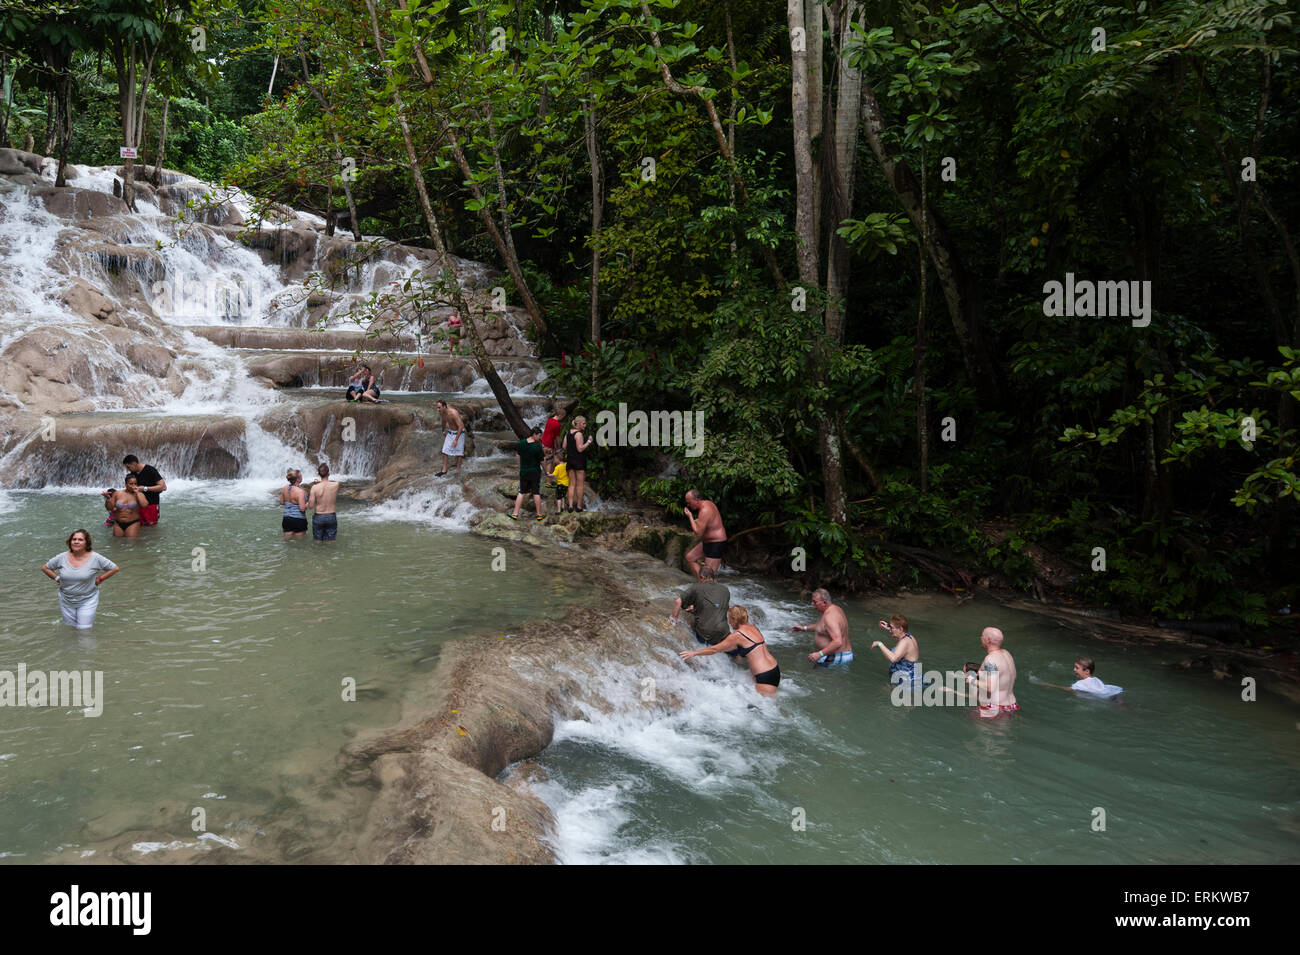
[79,571]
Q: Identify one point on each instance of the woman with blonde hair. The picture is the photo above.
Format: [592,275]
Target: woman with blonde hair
[575,454]
[294,499]
[751,647]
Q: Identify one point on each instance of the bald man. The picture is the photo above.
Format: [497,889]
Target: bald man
[995,681]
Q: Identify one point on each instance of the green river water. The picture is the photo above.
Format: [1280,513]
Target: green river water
[223,692]
[223,687]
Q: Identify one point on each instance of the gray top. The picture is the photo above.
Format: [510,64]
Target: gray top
[711,602]
[77,584]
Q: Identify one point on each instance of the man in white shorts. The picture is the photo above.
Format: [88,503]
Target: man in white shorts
[453,441]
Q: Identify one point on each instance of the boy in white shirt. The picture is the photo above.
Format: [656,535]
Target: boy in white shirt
[1087,683]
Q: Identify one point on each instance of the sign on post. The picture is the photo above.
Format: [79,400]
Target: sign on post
[127,152]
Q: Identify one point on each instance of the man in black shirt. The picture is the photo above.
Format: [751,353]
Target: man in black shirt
[151,482]
[710,601]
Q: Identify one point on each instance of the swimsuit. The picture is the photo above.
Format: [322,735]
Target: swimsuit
[835,659]
[714,549]
[1001,708]
[909,670]
[324,527]
[577,460]
[453,445]
[134,505]
[293,521]
[770,677]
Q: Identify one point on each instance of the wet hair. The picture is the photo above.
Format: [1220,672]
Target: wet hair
[692,493]
[323,470]
[897,620]
[1087,663]
[130,459]
[84,533]
[536,430]
[293,476]
[737,616]
[821,593]
[708,573]
[129,479]
[441,402]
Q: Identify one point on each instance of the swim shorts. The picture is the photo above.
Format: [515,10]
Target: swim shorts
[991,710]
[294,525]
[454,444]
[149,515]
[324,527]
[530,484]
[836,659]
[714,549]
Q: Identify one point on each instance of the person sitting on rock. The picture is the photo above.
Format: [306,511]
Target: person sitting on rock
[366,388]
[360,383]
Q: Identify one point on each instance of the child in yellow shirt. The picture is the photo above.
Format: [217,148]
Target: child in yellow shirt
[561,475]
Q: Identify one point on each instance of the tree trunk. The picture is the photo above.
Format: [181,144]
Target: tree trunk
[162,143]
[805,216]
[960,291]
[813,28]
[918,350]
[51,123]
[7,91]
[481,357]
[732,106]
[843,157]
[597,208]
[64,123]
[828,443]
[124,59]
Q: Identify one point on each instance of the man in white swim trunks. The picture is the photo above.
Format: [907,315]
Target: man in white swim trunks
[453,440]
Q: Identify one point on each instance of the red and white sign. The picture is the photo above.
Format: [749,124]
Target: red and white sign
[127,152]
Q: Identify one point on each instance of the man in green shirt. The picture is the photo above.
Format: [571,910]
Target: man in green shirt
[529,453]
[710,601]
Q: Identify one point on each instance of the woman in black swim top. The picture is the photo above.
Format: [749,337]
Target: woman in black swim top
[751,646]
[575,460]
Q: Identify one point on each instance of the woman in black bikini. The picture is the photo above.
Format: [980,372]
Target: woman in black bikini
[750,645]
[575,458]
[126,509]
